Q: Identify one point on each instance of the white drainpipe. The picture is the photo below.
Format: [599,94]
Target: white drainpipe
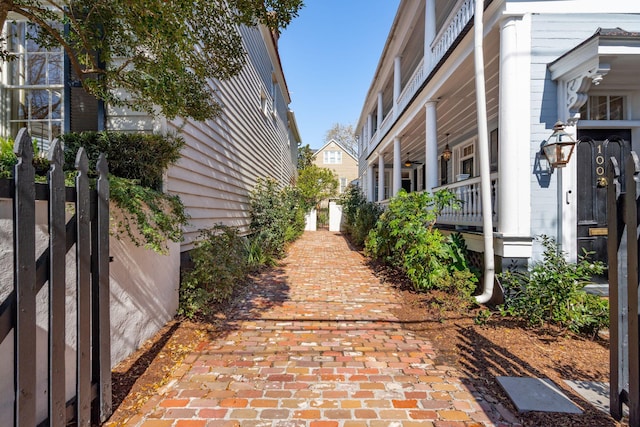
[483,148]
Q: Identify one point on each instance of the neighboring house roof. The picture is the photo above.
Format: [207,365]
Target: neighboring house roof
[345,149]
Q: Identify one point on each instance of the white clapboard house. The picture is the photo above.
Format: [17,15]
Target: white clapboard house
[575,61]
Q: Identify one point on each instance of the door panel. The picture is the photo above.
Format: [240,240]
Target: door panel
[594,149]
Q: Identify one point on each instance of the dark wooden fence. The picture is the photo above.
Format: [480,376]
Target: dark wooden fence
[88,230]
[622,212]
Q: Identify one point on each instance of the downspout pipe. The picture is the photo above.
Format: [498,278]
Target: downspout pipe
[483,151]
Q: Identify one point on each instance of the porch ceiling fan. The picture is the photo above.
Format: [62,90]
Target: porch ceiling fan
[408,163]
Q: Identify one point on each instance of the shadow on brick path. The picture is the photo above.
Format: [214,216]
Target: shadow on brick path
[316,344]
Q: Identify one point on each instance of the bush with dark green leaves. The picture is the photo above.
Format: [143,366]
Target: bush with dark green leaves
[552,292]
[359,214]
[277,216]
[405,237]
[219,265]
[137,163]
[142,157]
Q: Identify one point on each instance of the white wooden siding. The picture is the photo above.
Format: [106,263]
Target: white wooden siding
[225,157]
[547,44]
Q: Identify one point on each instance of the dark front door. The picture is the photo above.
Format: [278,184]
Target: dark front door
[595,147]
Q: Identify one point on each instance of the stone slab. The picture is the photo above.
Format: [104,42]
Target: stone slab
[537,394]
[596,393]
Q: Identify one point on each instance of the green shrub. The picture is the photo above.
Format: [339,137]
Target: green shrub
[219,264]
[552,292]
[405,237]
[137,163]
[360,215]
[366,218]
[139,156]
[276,216]
[149,217]
[8,159]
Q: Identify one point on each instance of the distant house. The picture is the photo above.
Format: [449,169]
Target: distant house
[339,159]
[570,61]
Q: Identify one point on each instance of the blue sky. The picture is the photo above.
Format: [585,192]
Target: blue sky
[329,54]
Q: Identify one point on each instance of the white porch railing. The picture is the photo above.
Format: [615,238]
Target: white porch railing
[469,192]
[451,30]
[410,89]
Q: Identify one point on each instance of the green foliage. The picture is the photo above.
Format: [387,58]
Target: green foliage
[139,156]
[219,264]
[161,54]
[137,162]
[405,237]
[552,292]
[149,217]
[316,184]
[305,157]
[8,159]
[276,216]
[360,215]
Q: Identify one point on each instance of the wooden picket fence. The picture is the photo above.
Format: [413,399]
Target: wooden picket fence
[623,198]
[88,230]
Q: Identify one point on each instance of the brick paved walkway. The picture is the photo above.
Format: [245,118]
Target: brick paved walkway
[316,345]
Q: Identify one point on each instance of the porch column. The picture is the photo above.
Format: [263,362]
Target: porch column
[380,177]
[370,182]
[380,110]
[397,87]
[369,127]
[514,169]
[397,166]
[429,34]
[431,146]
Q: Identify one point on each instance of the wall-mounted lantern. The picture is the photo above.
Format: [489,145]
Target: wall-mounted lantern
[559,146]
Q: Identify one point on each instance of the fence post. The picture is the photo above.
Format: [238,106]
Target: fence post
[616,249]
[57,285]
[24,239]
[632,180]
[101,294]
[83,289]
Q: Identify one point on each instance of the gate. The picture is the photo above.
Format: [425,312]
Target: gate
[622,248]
[88,230]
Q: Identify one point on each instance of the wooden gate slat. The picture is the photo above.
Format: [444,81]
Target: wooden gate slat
[617,277]
[83,257]
[102,322]
[24,282]
[631,219]
[57,287]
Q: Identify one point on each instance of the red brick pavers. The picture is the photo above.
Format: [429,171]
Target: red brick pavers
[316,344]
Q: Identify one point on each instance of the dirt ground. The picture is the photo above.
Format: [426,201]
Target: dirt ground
[495,347]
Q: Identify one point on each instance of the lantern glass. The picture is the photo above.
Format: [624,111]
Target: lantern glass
[559,147]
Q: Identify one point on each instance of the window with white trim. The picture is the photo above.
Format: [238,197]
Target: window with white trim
[343,184]
[603,107]
[332,157]
[466,161]
[33,85]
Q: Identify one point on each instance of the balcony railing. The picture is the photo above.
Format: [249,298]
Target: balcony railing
[450,31]
[412,86]
[470,194]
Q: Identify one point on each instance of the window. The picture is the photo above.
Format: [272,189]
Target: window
[603,107]
[33,85]
[332,157]
[466,167]
[343,184]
